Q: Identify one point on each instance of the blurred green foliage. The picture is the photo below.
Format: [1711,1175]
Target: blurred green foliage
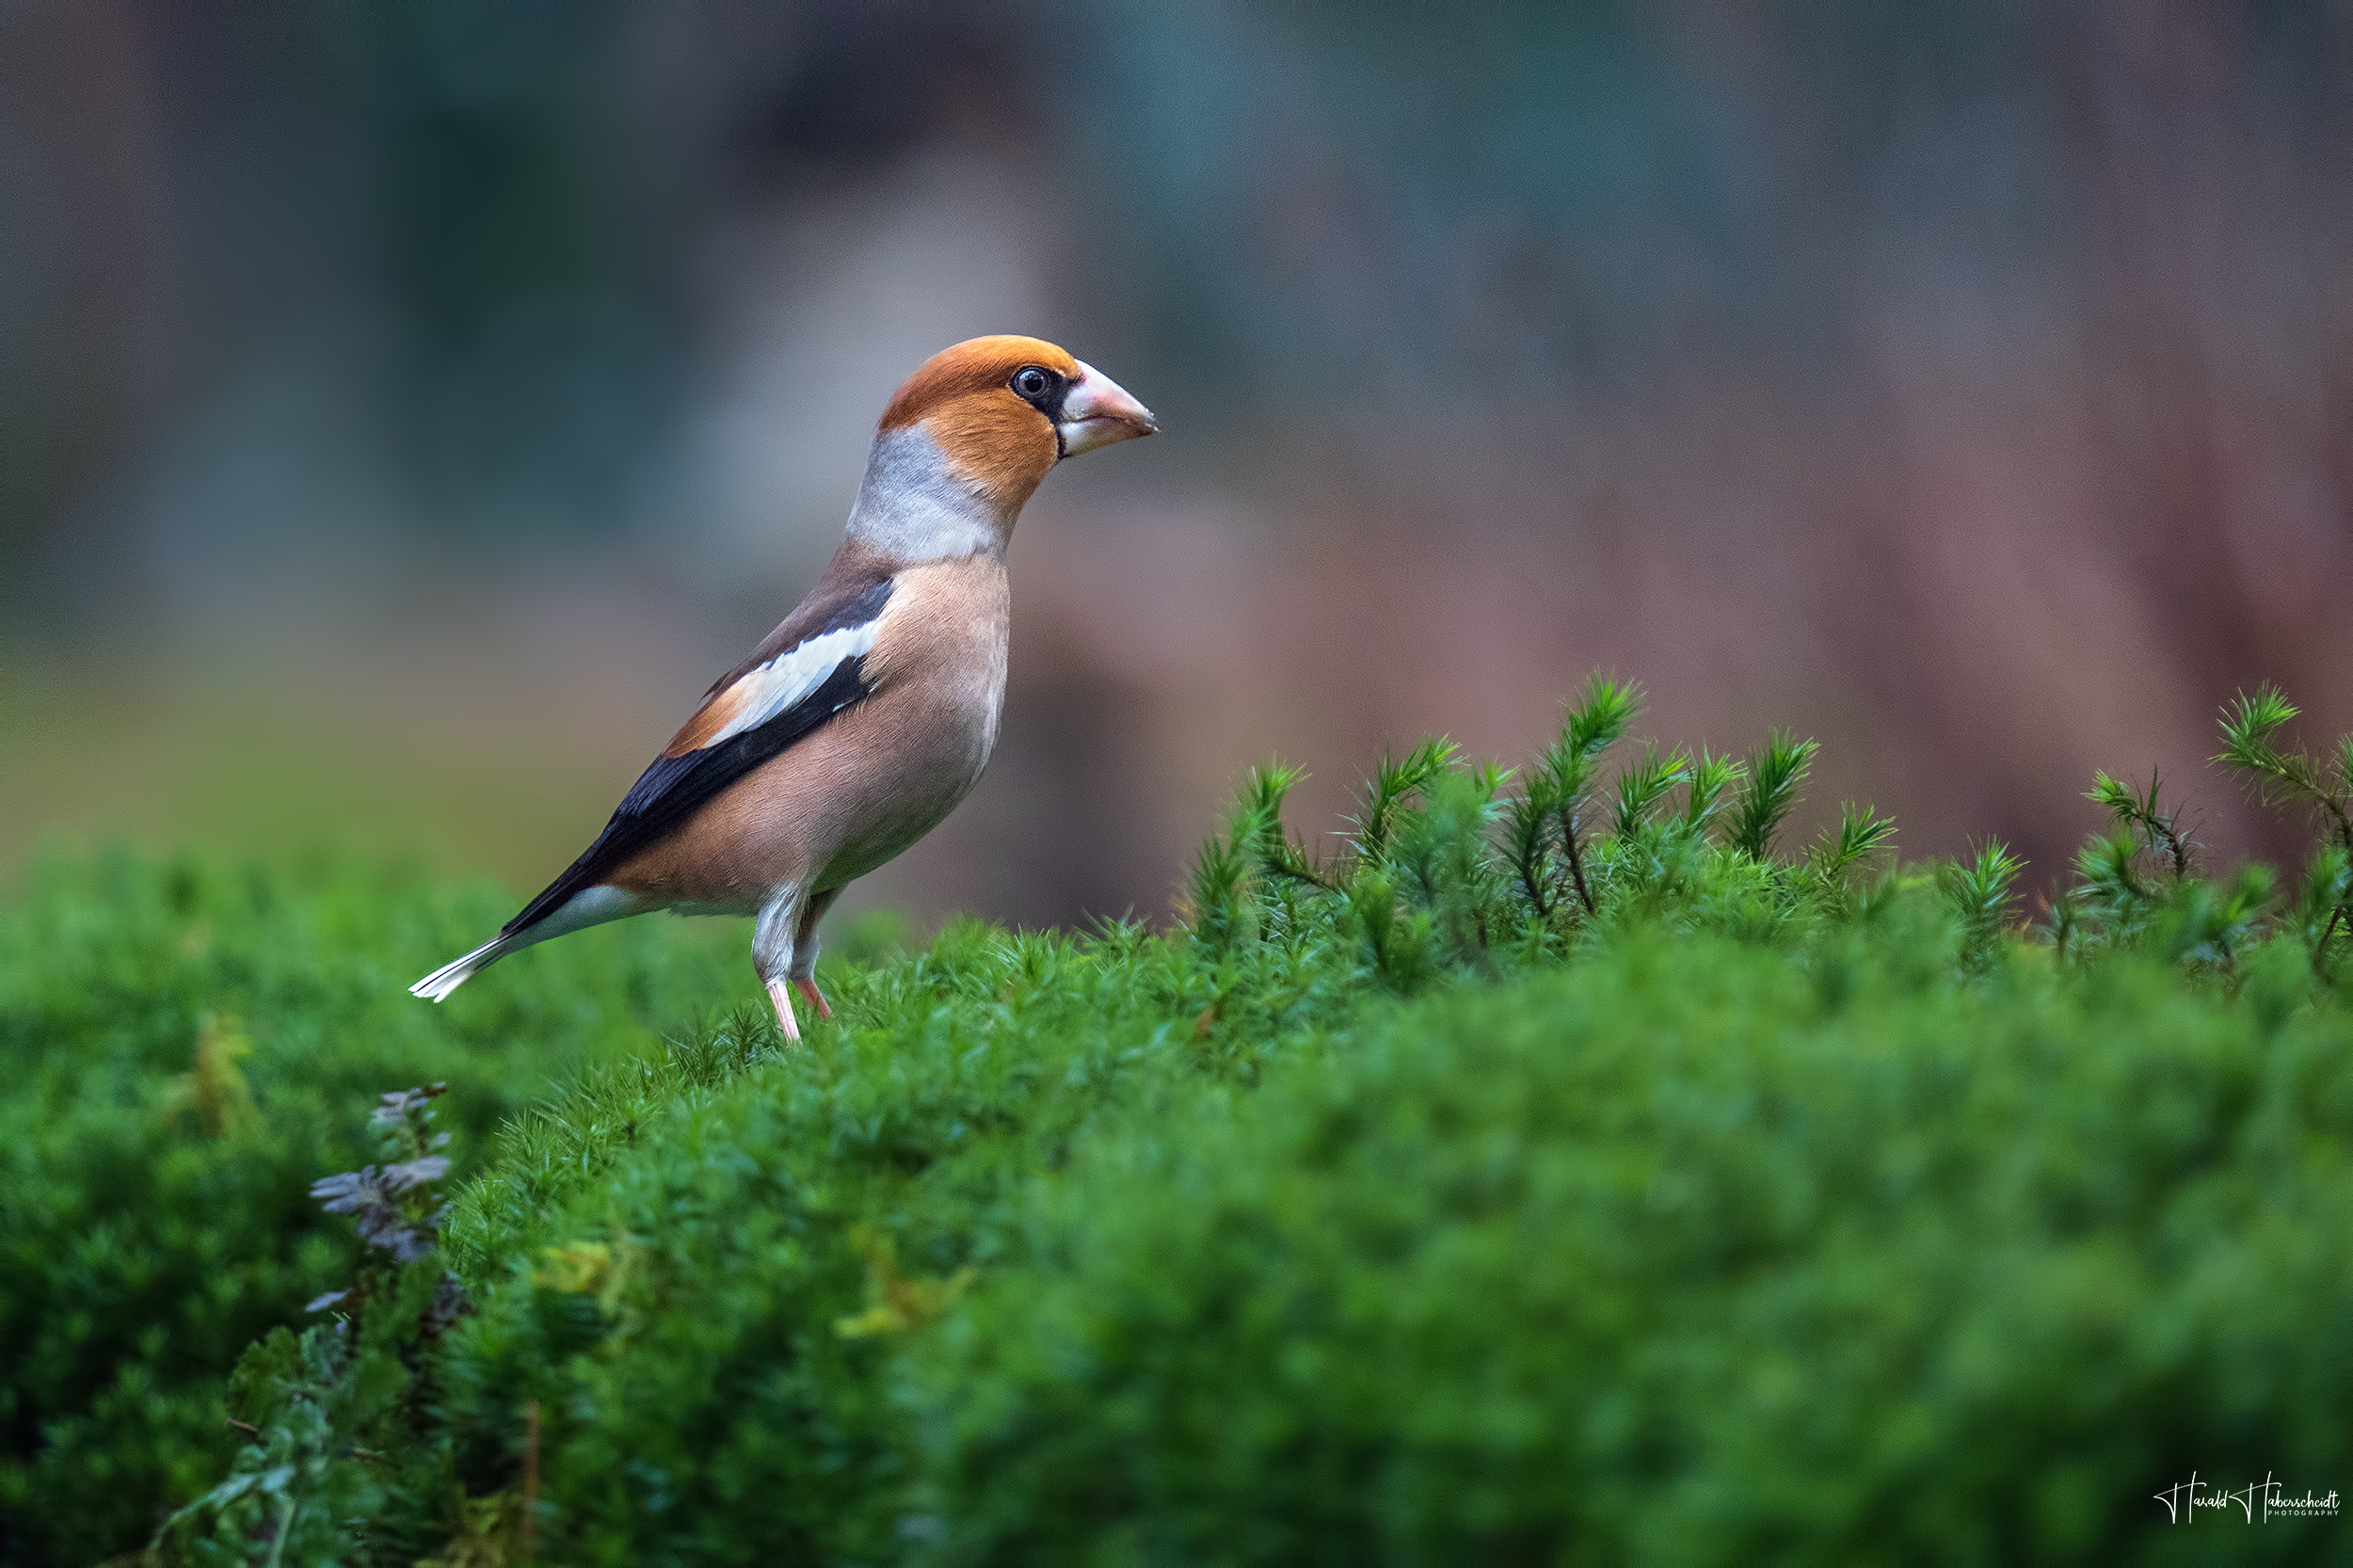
[1557,1170]
[183,1041]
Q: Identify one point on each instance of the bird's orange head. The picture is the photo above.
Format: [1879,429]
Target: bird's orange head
[1005,410]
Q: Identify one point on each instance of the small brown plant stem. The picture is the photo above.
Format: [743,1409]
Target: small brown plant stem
[2173,847]
[1534,886]
[1299,871]
[1577,860]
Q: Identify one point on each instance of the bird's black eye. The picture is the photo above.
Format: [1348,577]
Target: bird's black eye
[1032,383]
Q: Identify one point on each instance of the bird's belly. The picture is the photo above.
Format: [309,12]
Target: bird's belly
[918,773]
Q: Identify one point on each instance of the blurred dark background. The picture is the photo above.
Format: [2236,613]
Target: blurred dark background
[405,409]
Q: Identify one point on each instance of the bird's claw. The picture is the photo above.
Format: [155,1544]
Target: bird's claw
[783,1000]
[816,997]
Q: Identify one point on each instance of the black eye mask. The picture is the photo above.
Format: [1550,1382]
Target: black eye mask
[1049,399]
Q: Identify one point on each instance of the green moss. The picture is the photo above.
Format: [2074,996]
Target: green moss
[1496,1188]
[1677,1258]
[188,1045]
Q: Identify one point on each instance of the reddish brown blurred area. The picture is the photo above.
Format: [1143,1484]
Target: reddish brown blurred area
[403,414]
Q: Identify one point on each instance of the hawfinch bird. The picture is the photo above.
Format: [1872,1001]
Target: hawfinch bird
[867,715]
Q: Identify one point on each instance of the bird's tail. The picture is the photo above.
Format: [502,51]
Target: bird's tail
[442,982]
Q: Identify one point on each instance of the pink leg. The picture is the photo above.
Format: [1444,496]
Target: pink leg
[783,998]
[816,997]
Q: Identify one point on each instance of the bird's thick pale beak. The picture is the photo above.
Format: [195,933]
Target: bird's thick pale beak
[1097,411]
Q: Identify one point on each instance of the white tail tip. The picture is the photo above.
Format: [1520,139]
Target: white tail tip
[442,982]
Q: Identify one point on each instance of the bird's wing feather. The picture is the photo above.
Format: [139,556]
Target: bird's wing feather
[801,677]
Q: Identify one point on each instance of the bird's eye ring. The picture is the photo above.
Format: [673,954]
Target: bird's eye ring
[1032,382]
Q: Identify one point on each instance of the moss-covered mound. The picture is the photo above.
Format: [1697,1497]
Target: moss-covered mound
[1556,1174]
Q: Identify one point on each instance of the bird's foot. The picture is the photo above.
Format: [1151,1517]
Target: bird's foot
[783,1000]
[816,997]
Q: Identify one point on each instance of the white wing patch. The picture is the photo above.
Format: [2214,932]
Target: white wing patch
[769,689]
